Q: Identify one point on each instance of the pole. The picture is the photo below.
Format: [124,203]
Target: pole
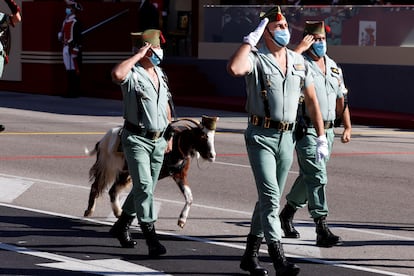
[104,22]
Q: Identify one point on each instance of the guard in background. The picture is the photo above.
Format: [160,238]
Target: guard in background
[310,186]
[144,137]
[5,21]
[275,78]
[70,35]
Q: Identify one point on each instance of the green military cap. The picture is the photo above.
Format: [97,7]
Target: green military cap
[152,36]
[274,14]
[314,28]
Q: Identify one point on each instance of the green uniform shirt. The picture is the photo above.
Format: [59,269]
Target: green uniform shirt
[283,92]
[327,86]
[144,106]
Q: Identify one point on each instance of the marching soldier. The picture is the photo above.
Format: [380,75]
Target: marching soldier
[145,137]
[5,21]
[310,186]
[70,36]
[275,77]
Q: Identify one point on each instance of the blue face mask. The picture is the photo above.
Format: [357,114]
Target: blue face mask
[319,48]
[68,11]
[157,57]
[282,37]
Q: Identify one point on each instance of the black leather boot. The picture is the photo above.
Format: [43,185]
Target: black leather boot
[250,259]
[2,128]
[281,265]
[155,248]
[120,231]
[324,236]
[286,222]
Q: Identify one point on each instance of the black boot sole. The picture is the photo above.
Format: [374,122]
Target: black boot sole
[253,272]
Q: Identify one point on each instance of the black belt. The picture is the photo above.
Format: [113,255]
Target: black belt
[267,123]
[152,135]
[326,124]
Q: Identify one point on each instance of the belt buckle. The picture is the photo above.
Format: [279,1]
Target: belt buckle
[284,126]
[254,120]
[266,123]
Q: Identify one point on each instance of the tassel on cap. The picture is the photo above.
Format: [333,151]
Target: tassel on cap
[274,14]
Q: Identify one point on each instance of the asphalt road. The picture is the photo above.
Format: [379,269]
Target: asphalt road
[44,184]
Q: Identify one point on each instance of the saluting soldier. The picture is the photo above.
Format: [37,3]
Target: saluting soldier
[144,138]
[70,35]
[310,186]
[15,17]
[5,21]
[275,77]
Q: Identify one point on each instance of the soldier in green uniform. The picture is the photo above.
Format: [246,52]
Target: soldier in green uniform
[5,21]
[310,186]
[144,136]
[272,106]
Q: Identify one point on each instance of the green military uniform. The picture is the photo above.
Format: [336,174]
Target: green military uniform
[270,149]
[145,113]
[310,185]
[3,25]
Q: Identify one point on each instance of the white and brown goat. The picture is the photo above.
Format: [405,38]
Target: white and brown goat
[191,138]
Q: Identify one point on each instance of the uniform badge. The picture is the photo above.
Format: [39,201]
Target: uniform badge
[299,67]
[335,70]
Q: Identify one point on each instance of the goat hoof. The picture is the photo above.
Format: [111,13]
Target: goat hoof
[87,213]
[181,223]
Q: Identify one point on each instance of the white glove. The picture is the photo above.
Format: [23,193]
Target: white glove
[322,150]
[254,37]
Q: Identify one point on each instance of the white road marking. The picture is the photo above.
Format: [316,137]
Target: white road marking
[314,260]
[12,188]
[379,234]
[100,267]
[244,166]
[305,231]
[44,181]
[9,178]
[232,164]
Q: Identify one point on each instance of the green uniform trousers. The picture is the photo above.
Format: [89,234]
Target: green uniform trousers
[144,158]
[270,154]
[310,186]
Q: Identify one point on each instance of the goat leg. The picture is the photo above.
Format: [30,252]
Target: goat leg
[93,195]
[123,181]
[188,195]
[183,185]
